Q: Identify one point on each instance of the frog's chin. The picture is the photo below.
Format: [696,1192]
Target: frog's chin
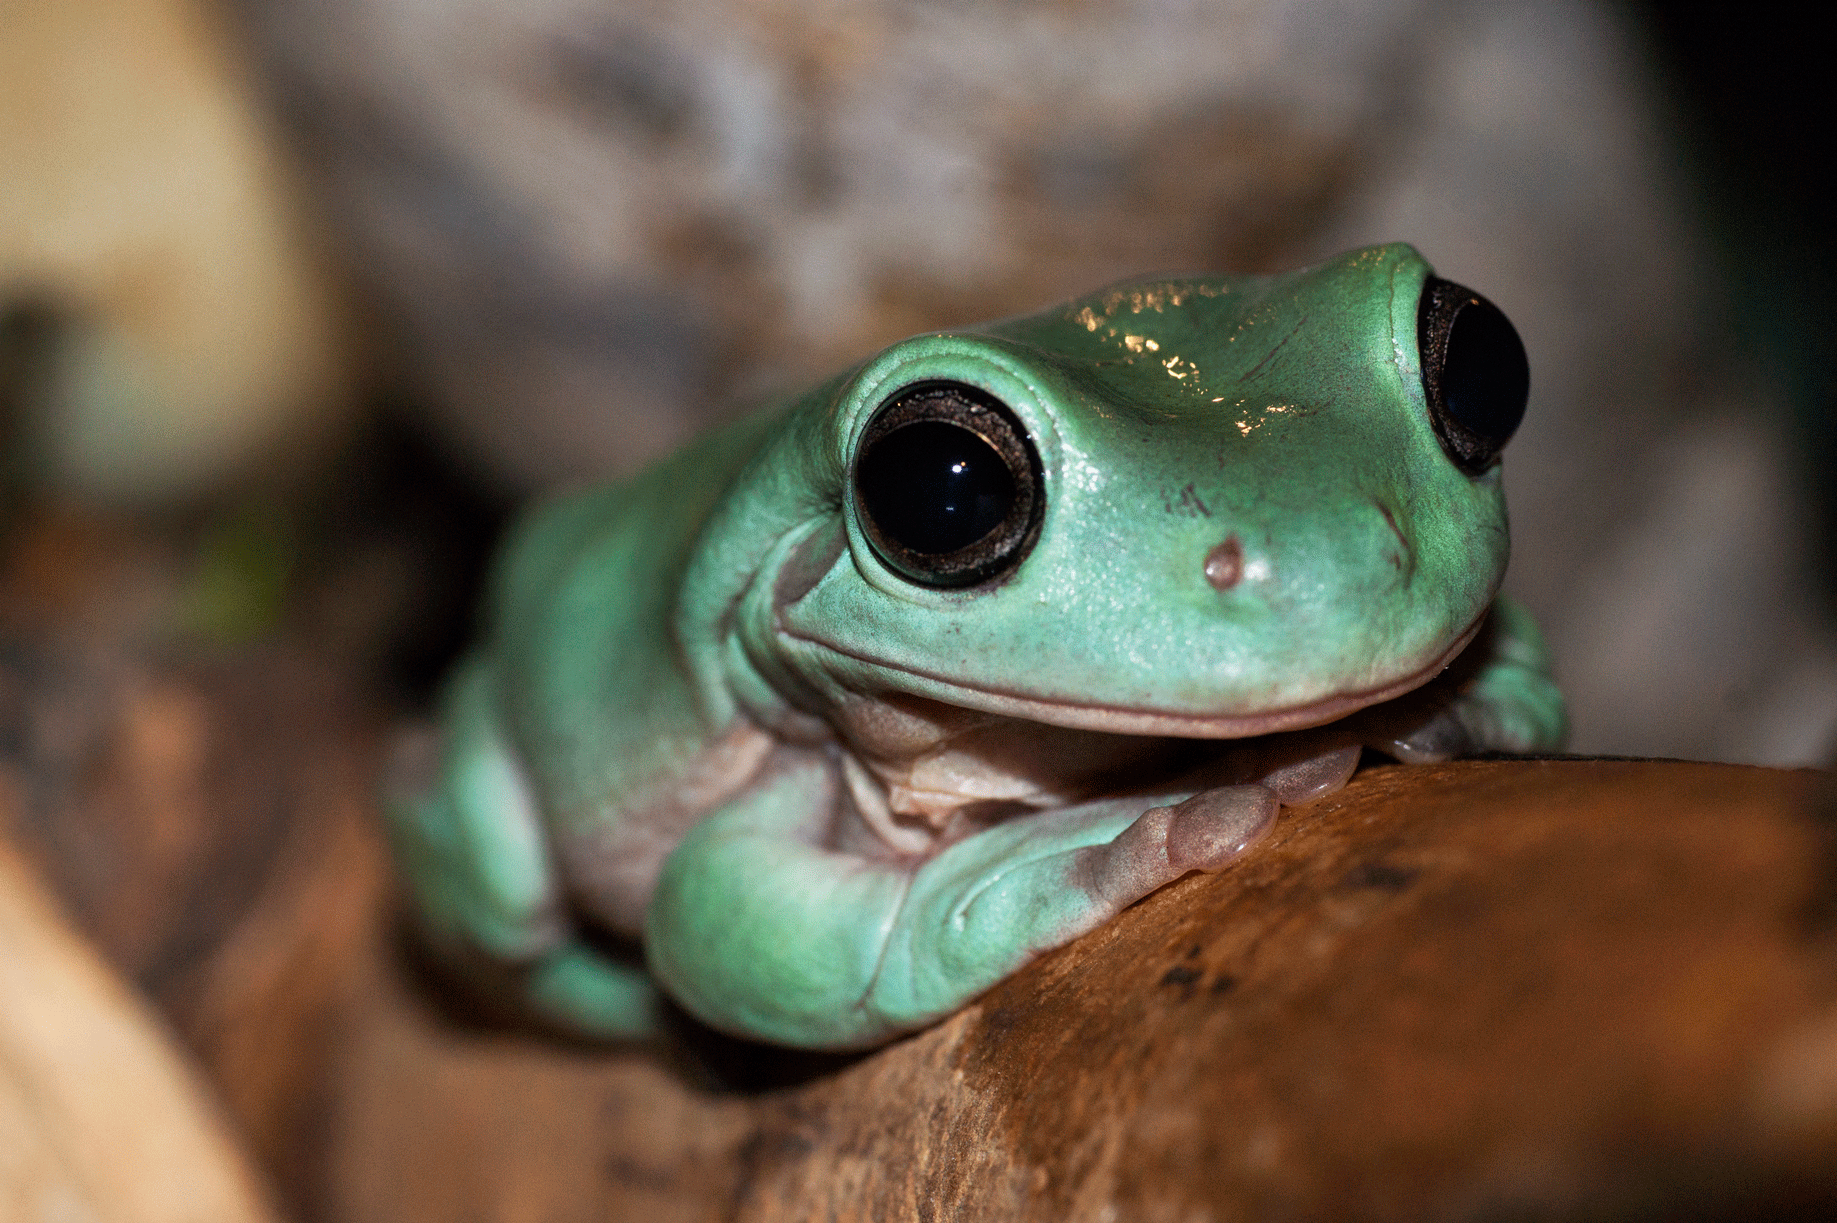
[1123,720]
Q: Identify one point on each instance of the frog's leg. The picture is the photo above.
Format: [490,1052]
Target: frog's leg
[1510,703]
[758,928]
[472,849]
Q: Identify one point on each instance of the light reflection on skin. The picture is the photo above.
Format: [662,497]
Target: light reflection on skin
[1139,300]
[1157,298]
[1247,427]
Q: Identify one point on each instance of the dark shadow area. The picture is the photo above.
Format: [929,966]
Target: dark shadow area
[1749,93]
[744,1067]
[30,330]
[397,542]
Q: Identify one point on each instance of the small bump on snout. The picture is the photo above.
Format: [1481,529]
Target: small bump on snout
[1224,565]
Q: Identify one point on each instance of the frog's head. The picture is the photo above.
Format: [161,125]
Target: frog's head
[1182,506]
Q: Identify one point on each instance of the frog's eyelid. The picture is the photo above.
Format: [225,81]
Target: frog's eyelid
[979,361]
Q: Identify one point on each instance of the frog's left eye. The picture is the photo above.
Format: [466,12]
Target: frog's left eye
[949,485]
[1474,373]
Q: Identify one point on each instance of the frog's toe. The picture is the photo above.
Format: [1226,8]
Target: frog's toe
[1443,736]
[1213,827]
[1312,778]
[1202,833]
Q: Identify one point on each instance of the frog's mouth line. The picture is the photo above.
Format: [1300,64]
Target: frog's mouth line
[1132,721]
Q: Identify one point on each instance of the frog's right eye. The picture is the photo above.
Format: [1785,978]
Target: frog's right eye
[948,485]
[1474,373]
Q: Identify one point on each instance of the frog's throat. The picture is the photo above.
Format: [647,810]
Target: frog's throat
[1124,720]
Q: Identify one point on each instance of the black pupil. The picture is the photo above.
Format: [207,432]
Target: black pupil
[935,487]
[1485,378]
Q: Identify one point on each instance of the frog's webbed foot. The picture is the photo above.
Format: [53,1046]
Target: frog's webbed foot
[1498,697]
[759,927]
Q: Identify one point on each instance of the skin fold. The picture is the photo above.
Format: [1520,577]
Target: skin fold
[712,742]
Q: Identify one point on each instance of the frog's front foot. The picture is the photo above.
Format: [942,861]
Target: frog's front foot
[760,928]
[1047,874]
[988,905]
[1498,697]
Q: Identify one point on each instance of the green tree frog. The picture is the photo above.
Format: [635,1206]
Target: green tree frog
[841,715]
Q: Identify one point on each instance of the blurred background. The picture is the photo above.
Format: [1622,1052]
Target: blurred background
[316,293]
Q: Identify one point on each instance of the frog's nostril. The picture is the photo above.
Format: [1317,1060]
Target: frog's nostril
[1224,565]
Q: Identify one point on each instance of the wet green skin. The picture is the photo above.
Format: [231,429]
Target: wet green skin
[680,672]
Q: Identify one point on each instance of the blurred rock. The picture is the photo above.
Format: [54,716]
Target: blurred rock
[1694,632]
[595,227]
[166,326]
